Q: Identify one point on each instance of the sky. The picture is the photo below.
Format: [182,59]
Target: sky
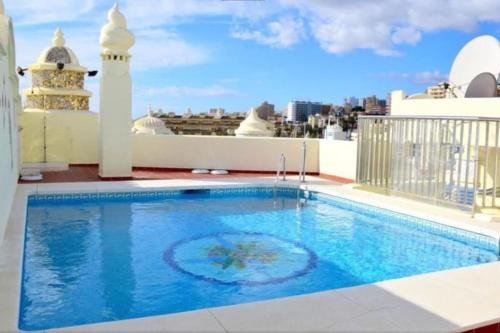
[235,54]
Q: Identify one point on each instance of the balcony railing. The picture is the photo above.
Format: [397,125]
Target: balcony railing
[452,161]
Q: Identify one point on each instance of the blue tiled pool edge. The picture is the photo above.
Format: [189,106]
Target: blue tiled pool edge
[434,227]
[467,236]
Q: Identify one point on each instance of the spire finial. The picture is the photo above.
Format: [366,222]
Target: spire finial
[2,8]
[116,17]
[58,40]
[115,37]
[150,110]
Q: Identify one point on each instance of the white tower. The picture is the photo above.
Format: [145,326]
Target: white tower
[115,112]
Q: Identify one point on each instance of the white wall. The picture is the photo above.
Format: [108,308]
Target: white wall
[456,107]
[71,136]
[338,158]
[220,152]
[10,106]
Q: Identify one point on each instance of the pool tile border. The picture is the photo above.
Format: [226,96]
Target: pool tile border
[436,228]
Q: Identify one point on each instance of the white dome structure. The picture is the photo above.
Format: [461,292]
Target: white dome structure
[150,125]
[253,125]
[58,52]
[116,39]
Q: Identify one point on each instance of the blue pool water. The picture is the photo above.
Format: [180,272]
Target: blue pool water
[95,258]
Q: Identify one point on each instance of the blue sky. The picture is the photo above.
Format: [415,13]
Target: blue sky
[236,54]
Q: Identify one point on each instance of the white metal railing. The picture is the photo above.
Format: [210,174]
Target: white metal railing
[446,160]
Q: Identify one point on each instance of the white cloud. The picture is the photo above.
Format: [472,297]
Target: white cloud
[154,48]
[179,91]
[147,13]
[29,12]
[342,26]
[407,35]
[158,48]
[282,33]
[339,26]
[420,78]
[340,37]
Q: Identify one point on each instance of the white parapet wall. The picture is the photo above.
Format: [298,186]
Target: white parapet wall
[222,152]
[444,107]
[69,136]
[9,110]
[338,158]
[73,138]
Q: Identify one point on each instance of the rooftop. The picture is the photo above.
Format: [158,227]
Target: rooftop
[115,226]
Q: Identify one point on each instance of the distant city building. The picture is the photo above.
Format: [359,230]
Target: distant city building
[186,114]
[347,108]
[315,120]
[326,109]
[361,103]
[299,111]
[436,91]
[265,110]
[370,102]
[205,123]
[353,101]
[217,112]
[388,104]
[376,110]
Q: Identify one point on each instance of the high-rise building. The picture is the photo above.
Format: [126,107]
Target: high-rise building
[299,111]
[265,110]
[217,111]
[370,102]
[388,104]
[347,108]
[362,103]
[353,101]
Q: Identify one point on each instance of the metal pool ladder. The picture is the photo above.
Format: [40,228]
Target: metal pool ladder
[302,169]
[302,177]
[280,170]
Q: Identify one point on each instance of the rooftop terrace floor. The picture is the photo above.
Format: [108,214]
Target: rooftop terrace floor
[89,173]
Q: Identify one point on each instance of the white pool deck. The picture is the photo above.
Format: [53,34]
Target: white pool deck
[447,301]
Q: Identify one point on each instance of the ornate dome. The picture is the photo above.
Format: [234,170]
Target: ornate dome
[253,125]
[55,88]
[115,38]
[150,125]
[58,52]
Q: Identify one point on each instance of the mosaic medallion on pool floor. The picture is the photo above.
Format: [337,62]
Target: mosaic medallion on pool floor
[241,258]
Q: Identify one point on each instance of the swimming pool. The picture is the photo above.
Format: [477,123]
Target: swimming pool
[101,257]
